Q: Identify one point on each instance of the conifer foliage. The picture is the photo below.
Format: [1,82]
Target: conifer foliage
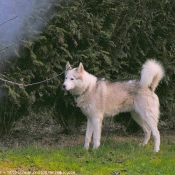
[111,38]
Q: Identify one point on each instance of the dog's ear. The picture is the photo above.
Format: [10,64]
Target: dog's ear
[80,68]
[68,66]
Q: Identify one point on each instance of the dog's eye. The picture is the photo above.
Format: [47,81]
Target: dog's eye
[72,78]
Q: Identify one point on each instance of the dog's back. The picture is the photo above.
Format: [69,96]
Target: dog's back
[114,97]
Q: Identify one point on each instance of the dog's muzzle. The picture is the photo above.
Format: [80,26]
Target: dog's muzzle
[64,86]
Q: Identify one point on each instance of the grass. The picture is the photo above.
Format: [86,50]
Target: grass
[123,157]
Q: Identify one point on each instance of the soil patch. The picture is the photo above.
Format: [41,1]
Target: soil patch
[43,130]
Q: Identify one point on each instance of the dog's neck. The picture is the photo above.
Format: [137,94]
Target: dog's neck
[83,93]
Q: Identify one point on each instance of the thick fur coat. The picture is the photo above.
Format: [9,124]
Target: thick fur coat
[99,98]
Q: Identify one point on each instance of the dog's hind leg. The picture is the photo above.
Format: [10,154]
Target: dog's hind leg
[152,121]
[97,125]
[89,131]
[142,123]
[147,105]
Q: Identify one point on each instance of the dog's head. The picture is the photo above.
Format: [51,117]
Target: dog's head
[73,77]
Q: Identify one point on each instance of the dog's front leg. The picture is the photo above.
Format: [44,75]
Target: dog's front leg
[97,124]
[89,131]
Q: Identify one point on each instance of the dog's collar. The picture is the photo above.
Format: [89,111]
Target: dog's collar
[79,95]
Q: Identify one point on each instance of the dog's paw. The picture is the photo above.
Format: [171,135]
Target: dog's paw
[86,147]
[95,146]
[156,150]
[142,144]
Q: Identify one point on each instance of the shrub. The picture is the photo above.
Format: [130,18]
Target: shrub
[112,38]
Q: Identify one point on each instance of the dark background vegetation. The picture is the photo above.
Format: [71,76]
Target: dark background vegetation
[111,38]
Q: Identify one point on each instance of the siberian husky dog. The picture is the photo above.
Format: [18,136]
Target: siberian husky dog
[99,98]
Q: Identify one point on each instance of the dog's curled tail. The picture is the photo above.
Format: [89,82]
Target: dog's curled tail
[151,74]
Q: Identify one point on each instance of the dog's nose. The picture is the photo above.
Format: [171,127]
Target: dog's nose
[64,86]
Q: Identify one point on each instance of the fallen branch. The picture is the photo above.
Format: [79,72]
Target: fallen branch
[8,20]
[13,43]
[9,46]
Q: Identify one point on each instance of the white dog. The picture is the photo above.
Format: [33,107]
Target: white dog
[99,98]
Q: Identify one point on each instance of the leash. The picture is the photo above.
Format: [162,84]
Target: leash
[22,85]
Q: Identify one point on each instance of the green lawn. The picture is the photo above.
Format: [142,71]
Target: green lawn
[122,157]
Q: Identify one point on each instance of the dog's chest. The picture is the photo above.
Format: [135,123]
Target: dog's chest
[85,105]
